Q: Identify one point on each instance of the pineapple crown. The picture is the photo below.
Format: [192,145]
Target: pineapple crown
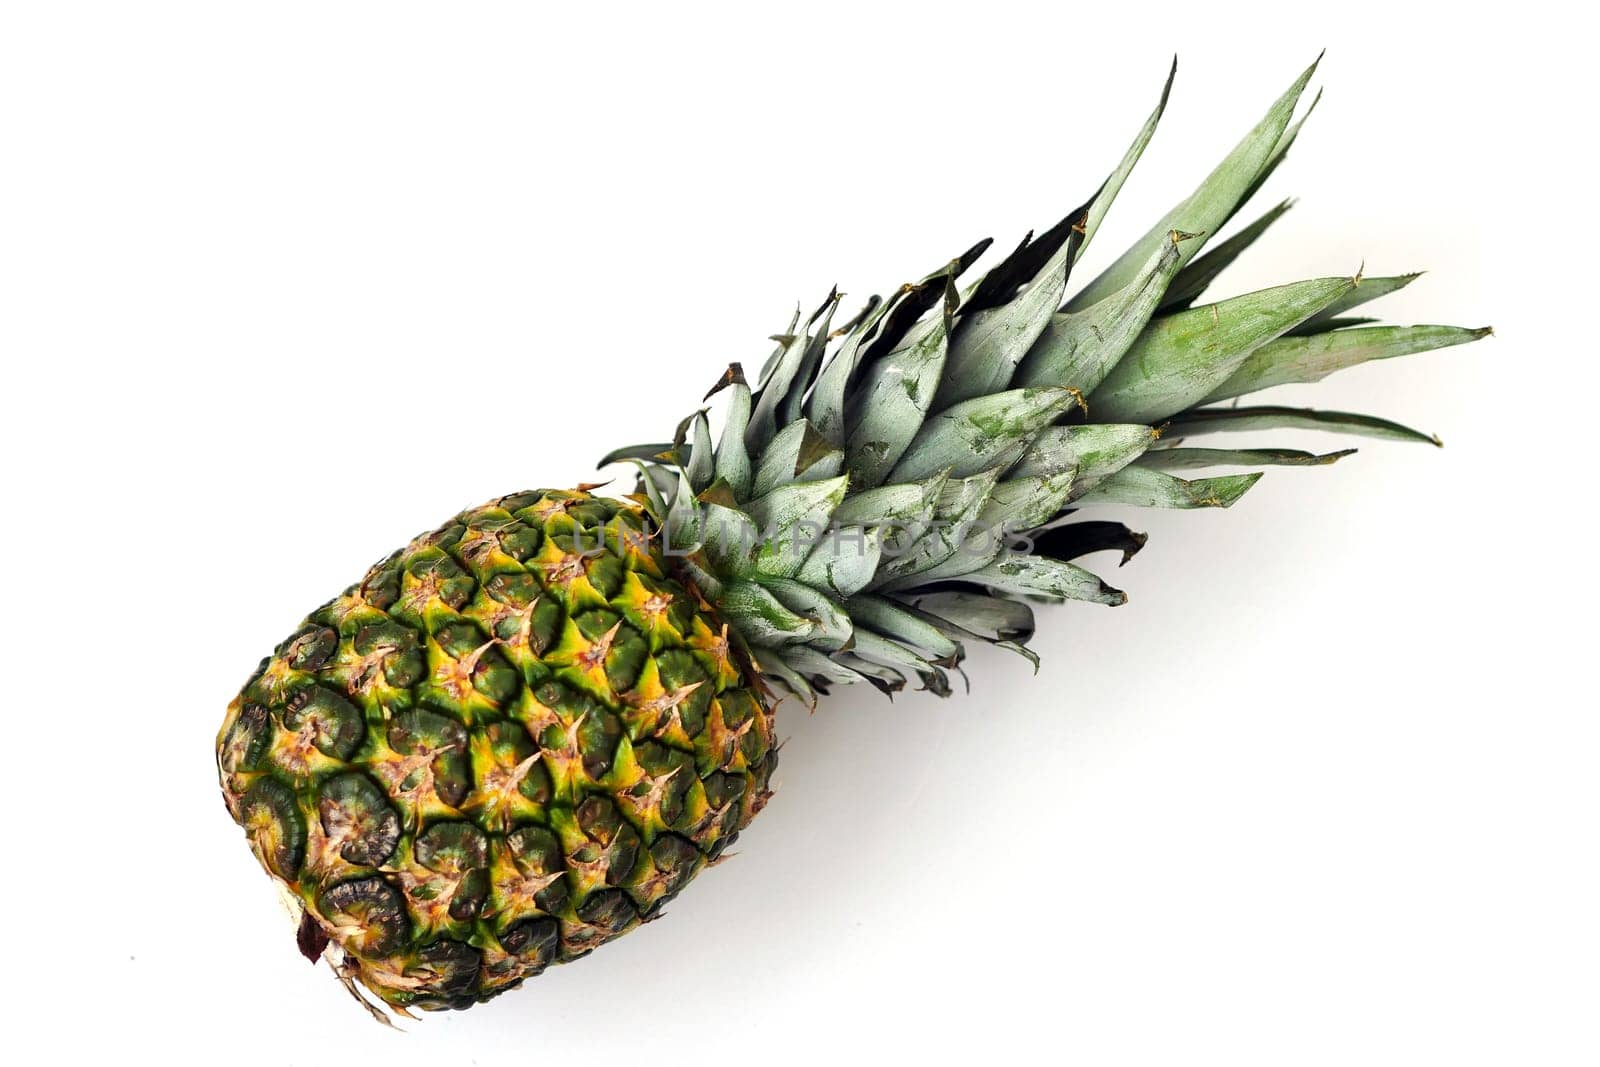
[905,483]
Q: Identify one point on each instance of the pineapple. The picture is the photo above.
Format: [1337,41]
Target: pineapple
[516,738]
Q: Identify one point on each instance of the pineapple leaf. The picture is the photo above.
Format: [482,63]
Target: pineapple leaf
[1093,450]
[885,680]
[701,465]
[1172,459]
[1209,206]
[895,621]
[646,452]
[1279,152]
[761,617]
[992,618]
[901,505]
[797,452]
[960,502]
[844,561]
[1310,359]
[791,520]
[895,398]
[1023,503]
[1216,420]
[827,403]
[1198,276]
[1143,488]
[816,666]
[810,362]
[1181,358]
[1077,539]
[875,648]
[990,431]
[1113,185]
[727,537]
[1366,291]
[733,458]
[834,628]
[997,328]
[1042,577]
[683,515]
[1343,322]
[914,301]
[780,375]
[1078,348]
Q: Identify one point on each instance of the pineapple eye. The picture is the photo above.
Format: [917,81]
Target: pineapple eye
[460,852]
[275,827]
[245,740]
[309,649]
[359,822]
[366,916]
[334,723]
[535,941]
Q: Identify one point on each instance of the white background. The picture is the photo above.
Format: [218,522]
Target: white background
[284,284]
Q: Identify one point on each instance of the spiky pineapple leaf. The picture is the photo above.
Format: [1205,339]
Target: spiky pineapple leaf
[1144,488]
[798,452]
[826,405]
[1292,360]
[1195,278]
[761,617]
[844,560]
[649,452]
[791,520]
[1265,417]
[780,375]
[1093,450]
[989,431]
[1077,349]
[834,627]
[1172,459]
[915,301]
[701,464]
[1181,358]
[910,504]
[994,618]
[1366,290]
[997,328]
[895,396]
[895,621]
[1023,503]
[960,503]
[1052,579]
[790,404]
[1209,206]
[816,666]
[733,464]
[1113,184]
[1072,540]
[875,648]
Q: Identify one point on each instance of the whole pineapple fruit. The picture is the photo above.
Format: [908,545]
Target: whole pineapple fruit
[517,737]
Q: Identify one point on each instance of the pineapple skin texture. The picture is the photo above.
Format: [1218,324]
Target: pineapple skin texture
[511,742]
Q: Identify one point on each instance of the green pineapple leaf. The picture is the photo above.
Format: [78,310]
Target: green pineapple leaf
[1221,420]
[1173,459]
[1209,206]
[1198,276]
[1292,360]
[1143,488]
[1181,358]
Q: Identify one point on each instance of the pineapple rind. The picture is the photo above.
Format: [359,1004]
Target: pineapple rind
[512,741]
